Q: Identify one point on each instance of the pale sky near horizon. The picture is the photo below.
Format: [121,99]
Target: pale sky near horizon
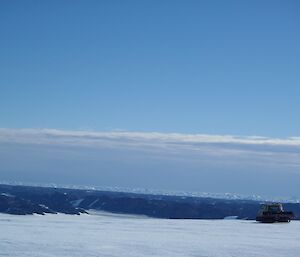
[220,69]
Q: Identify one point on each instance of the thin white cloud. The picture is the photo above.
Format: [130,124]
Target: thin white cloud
[208,148]
[50,135]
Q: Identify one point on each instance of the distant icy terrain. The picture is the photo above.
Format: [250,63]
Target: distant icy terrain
[111,235]
[227,196]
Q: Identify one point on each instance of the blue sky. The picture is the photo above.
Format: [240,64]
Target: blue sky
[187,67]
[175,66]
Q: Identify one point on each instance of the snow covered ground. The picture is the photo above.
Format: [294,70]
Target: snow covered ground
[109,235]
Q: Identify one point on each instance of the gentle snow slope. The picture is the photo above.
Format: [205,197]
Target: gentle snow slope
[103,234]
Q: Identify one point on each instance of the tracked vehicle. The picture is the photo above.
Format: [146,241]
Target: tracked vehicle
[273,212]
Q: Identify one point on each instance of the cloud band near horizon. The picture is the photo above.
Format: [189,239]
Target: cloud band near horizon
[151,159]
[45,135]
[227,147]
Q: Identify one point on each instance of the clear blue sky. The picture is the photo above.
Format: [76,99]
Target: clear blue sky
[215,67]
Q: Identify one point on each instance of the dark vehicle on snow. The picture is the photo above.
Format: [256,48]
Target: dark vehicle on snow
[273,212]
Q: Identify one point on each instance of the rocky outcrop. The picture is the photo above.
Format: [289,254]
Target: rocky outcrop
[30,200]
[15,205]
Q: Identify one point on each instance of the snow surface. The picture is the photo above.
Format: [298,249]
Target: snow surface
[112,235]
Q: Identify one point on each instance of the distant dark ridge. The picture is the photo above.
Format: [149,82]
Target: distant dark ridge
[143,191]
[29,200]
